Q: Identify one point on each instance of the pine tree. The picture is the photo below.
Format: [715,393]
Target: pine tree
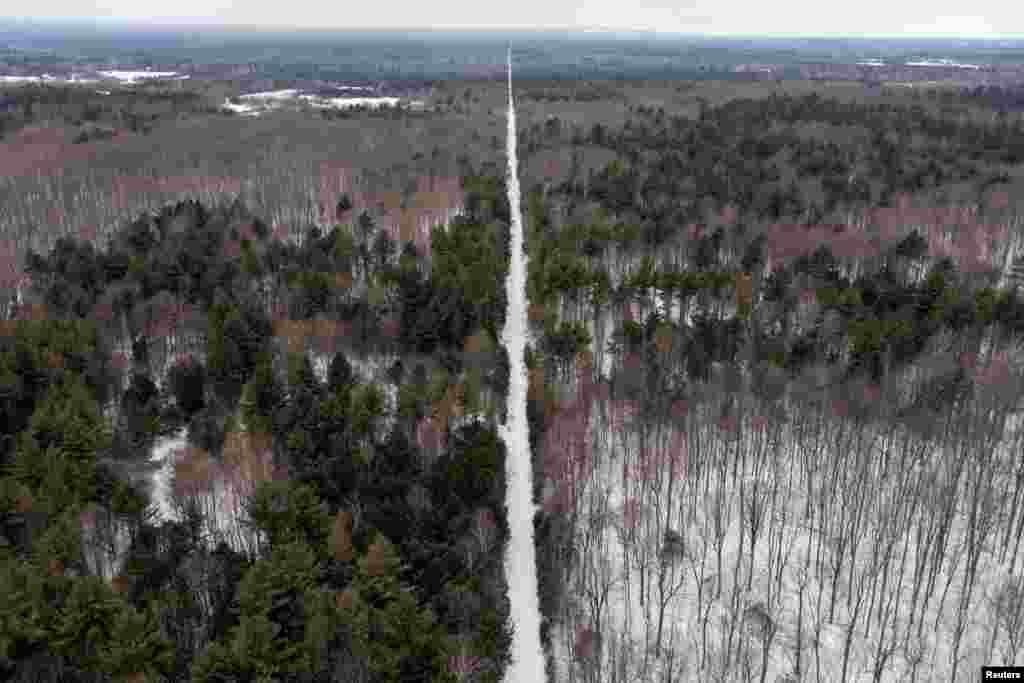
[401,639]
[60,446]
[269,641]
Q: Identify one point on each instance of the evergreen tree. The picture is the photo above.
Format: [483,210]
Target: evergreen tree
[400,639]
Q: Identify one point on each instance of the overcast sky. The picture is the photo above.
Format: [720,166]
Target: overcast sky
[988,18]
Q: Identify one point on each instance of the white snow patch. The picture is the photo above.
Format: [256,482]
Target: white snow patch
[343,102]
[942,62]
[272,95]
[164,454]
[132,76]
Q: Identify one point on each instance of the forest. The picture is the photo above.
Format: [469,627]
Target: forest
[774,373]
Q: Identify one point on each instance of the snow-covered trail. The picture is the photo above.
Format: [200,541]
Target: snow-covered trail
[527,664]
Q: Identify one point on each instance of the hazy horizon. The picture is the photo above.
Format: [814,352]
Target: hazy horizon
[716,19]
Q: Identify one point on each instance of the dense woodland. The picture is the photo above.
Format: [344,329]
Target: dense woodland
[371,542]
[361,529]
[857,276]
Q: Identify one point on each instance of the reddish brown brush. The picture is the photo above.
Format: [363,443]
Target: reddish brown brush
[997,372]
[88,233]
[553,168]
[647,467]
[622,413]
[120,360]
[88,518]
[678,454]
[281,232]
[629,312]
[463,666]
[631,514]
[10,269]
[341,538]
[561,501]
[391,327]
[327,340]
[428,435]
[232,249]
[586,643]
[787,242]
[729,424]
[249,461]
[194,473]
[969,360]
[840,407]
[999,200]
[632,362]
[729,215]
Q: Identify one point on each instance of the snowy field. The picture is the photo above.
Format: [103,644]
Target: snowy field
[132,76]
[257,103]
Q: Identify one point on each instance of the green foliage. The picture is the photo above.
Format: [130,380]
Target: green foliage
[466,258]
[632,333]
[871,335]
[986,301]
[268,642]
[85,620]
[235,338]
[401,639]
[261,395]
[27,370]
[281,621]
[27,617]
[411,400]
[78,620]
[288,512]
[366,407]
[344,247]
[58,451]
[470,474]
[567,339]
[600,288]
[566,273]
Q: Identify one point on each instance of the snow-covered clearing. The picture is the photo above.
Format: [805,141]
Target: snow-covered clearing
[343,102]
[272,95]
[256,103]
[132,76]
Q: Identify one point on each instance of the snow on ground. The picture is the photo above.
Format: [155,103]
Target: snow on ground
[942,62]
[527,654]
[272,95]
[123,76]
[222,504]
[371,369]
[256,103]
[163,456]
[343,102]
[243,109]
[21,79]
[716,598]
[104,544]
[132,76]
